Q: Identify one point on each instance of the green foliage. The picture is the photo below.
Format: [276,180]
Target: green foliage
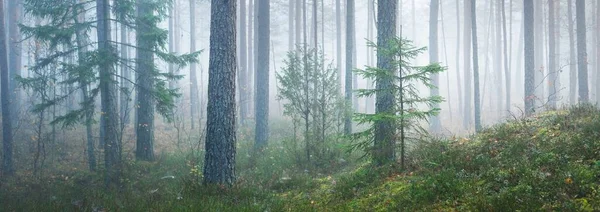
[544,163]
[312,99]
[407,113]
[75,66]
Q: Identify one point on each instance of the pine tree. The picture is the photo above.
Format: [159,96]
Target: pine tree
[219,160]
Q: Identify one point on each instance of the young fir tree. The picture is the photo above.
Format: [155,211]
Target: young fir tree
[312,100]
[405,114]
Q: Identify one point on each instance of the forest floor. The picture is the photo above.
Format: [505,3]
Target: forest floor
[547,162]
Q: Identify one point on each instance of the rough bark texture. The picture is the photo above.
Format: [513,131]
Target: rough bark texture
[7,137]
[349,65]
[434,124]
[144,148]
[193,78]
[262,75]
[467,110]
[385,129]
[572,55]
[529,56]
[108,95]
[552,74]
[219,165]
[581,52]
[475,69]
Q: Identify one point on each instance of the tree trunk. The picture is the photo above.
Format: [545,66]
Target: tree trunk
[145,73]
[458,78]
[251,56]
[529,56]
[539,53]
[262,75]
[126,76]
[498,60]
[597,46]
[14,17]
[89,104]
[338,40]
[243,73]
[434,6]
[219,165]
[572,56]
[108,96]
[552,73]
[349,65]
[385,129]
[7,135]
[193,78]
[582,52]
[506,59]
[467,112]
[475,69]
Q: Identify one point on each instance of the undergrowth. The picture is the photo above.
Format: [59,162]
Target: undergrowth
[546,162]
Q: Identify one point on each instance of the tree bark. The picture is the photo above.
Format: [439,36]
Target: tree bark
[193,78]
[89,113]
[14,17]
[529,49]
[582,52]
[145,82]
[458,77]
[572,56]
[506,59]
[219,165]
[262,75]
[350,33]
[108,95]
[7,135]
[467,110]
[552,73]
[385,129]
[243,73]
[475,68]
[434,6]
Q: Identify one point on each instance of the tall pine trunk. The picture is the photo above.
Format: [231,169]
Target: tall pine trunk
[7,135]
[193,78]
[145,82]
[467,110]
[572,55]
[108,95]
[529,49]
[506,60]
[434,6]
[82,44]
[582,52]
[348,85]
[243,65]
[552,73]
[385,129]
[219,165]
[14,65]
[476,101]
[262,74]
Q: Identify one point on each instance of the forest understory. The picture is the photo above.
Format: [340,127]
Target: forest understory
[546,162]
